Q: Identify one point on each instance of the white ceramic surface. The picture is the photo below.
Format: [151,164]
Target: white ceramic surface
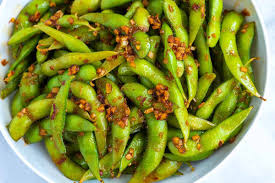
[36,157]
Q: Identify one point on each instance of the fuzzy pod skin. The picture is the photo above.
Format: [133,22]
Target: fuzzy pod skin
[227,107]
[217,96]
[134,150]
[17,104]
[212,139]
[58,115]
[107,4]
[132,9]
[154,151]
[196,18]
[82,7]
[203,52]
[70,169]
[141,19]
[120,134]
[110,20]
[154,47]
[51,67]
[195,123]
[141,44]
[173,14]
[88,149]
[36,111]
[213,29]
[245,39]
[230,26]
[154,7]
[166,168]
[72,43]
[85,91]
[204,85]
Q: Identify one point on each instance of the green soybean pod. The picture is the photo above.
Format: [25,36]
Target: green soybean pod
[196,18]
[136,116]
[245,39]
[87,146]
[213,29]
[214,138]
[85,91]
[141,44]
[154,7]
[133,151]
[175,132]
[71,21]
[154,47]
[204,84]
[175,19]
[78,159]
[106,4]
[120,132]
[185,20]
[82,7]
[83,34]
[17,104]
[86,72]
[217,96]
[132,9]
[59,53]
[110,20]
[127,79]
[230,26]
[157,138]
[58,115]
[10,87]
[227,107]
[203,52]
[166,168]
[21,67]
[29,87]
[40,97]
[146,82]
[141,19]
[69,169]
[195,123]
[125,70]
[72,43]
[41,56]
[26,50]
[51,67]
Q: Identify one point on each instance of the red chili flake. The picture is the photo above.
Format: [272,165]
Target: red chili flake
[245,12]
[54,112]
[195,7]
[61,160]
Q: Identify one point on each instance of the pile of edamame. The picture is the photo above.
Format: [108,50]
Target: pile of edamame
[135,87]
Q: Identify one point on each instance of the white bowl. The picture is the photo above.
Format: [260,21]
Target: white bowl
[36,157]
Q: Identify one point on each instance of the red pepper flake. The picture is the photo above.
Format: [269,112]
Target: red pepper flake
[195,7]
[202,104]
[61,160]
[145,3]
[54,112]
[232,140]
[70,20]
[4,62]
[81,134]
[52,67]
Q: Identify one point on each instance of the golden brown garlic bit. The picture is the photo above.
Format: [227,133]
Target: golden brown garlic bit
[10,74]
[155,21]
[178,142]
[130,154]
[161,104]
[4,62]
[53,19]
[35,17]
[100,71]
[22,112]
[73,70]
[82,103]
[179,48]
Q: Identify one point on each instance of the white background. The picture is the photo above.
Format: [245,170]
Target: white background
[253,161]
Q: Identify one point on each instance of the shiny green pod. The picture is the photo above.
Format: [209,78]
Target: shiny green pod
[81,7]
[141,44]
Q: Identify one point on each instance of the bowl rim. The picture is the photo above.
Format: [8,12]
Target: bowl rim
[204,177]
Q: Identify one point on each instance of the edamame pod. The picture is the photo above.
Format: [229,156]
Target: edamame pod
[230,26]
[82,7]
